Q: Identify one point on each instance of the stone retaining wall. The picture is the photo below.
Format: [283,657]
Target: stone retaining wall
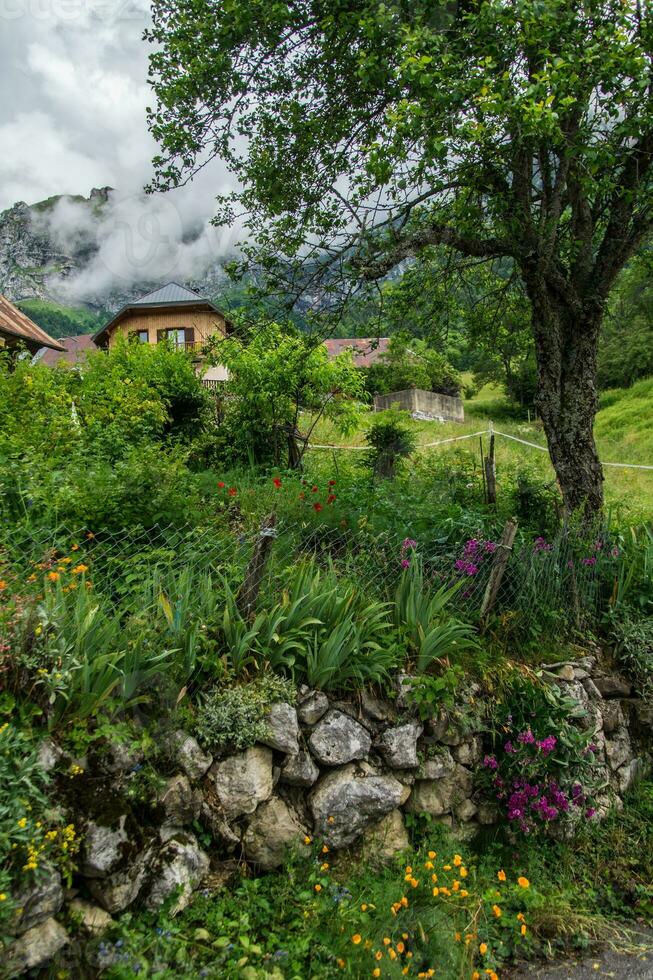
[342,772]
[428,405]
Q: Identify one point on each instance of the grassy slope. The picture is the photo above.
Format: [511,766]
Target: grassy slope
[624,433]
[61,321]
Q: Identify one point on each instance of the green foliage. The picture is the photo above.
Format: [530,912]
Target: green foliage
[423,617]
[233,717]
[391,440]
[62,321]
[276,373]
[410,363]
[633,640]
[626,347]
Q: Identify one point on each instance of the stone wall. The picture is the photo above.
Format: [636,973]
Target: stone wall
[342,772]
[421,404]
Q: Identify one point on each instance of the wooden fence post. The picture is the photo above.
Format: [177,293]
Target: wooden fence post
[249,590]
[501,557]
[491,472]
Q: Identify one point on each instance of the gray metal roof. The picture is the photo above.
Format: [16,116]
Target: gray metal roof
[172,292]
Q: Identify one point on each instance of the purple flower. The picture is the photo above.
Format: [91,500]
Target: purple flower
[490,762]
[615,552]
[490,546]
[589,561]
[526,738]
[541,544]
[408,543]
[405,563]
[509,748]
[589,813]
[471,547]
[547,745]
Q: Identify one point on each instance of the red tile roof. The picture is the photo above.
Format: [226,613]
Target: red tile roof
[16,325]
[367,350]
[74,350]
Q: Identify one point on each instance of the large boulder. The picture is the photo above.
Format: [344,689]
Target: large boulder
[38,902]
[243,781]
[273,829]
[180,866]
[312,707]
[439,796]
[103,847]
[189,756]
[613,686]
[299,770]
[34,948]
[337,739]
[398,746]
[345,802]
[387,838]
[180,801]
[618,750]
[282,728]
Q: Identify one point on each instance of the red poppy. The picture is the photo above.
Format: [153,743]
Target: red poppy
[331,498]
[221,485]
[332,483]
[313,489]
[232,491]
[277,482]
[317,507]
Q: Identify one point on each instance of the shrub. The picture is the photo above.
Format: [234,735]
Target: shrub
[633,639]
[233,718]
[391,439]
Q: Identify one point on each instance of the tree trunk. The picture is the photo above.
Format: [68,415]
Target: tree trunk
[566,343]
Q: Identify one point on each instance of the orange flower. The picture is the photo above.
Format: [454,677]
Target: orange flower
[90,535]
[501,875]
[400,947]
[523,882]
[523,930]
[378,955]
[356,939]
[80,569]
[457,860]
[482,949]
[3,583]
[53,576]
[496,911]
[376,972]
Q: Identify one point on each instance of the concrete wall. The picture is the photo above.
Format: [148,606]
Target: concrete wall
[423,404]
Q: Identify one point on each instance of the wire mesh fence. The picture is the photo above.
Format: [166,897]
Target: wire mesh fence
[563,579]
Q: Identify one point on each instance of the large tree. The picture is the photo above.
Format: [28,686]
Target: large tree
[362,132]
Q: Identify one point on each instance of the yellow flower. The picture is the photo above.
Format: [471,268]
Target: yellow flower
[307,840]
[464,893]
[53,576]
[74,547]
[376,972]
[496,911]
[405,971]
[400,947]
[476,975]
[22,822]
[378,955]
[520,917]
[482,949]
[3,897]
[325,849]
[436,892]
[414,882]
[386,941]
[463,872]
[392,954]
[523,930]
[409,870]
[456,885]
[501,875]
[428,865]
[457,937]
[341,964]
[404,901]
[523,882]
[363,907]
[457,860]
[432,854]
[324,867]
[65,561]
[31,578]
[356,939]
[318,888]
[80,569]
[331,819]
[447,867]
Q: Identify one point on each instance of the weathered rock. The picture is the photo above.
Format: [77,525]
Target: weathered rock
[243,781]
[437,766]
[273,829]
[612,715]
[487,813]
[403,685]
[466,811]
[451,736]
[90,917]
[468,753]
[338,739]
[591,689]
[49,755]
[566,673]
[613,686]
[189,756]
[180,801]
[122,756]
[618,750]
[34,948]
[117,891]
[643,711]
[437,726]
[103,848]
[299,770]
[374,707]
[219,828]
[629,774]
[386,838]
[347,801]
[439,796]
[282,728]
[312,707]
[40,901]
[398,746]
[180,864]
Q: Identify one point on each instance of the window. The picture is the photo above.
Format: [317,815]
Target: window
[178,337]
[142,336]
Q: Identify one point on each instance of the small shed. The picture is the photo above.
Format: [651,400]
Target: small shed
[18,332]
[428,405]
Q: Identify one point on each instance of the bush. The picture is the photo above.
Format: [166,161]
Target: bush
[391,439]
[633,640]
[233,718]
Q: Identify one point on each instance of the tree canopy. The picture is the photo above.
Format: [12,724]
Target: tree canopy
[362,133]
